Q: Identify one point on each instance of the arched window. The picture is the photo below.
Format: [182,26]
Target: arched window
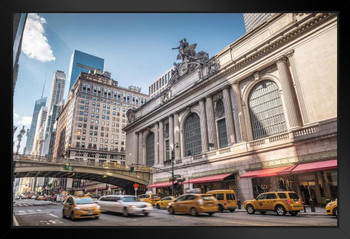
[221,123]
[265,110]
[192,130]
[150,149]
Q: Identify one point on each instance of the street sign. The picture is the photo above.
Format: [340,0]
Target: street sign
[136,186]
[68,168]
[177,176]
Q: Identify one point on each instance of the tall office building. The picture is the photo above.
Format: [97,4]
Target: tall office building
[252,20]
[159,85]
[30,139]
[82,62]
[90,124]
[56,97]
[38,136]
[19,22]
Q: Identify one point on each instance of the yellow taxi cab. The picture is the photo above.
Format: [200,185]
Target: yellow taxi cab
[226,198]
[80,207]
[332,208]
[194,204]
[280,202]
[150,198]
[164,202]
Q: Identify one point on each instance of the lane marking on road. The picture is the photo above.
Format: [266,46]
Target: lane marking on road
[54,215]
[15,221]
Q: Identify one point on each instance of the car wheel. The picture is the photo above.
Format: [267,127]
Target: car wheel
[171,210]
[157,206]
[72,216]
[221,208]
[146,213]
[193,211]
[250,209]
[125,212]
[210,213]
[262,212]
[64,216]
[293,213]
[335,212]
[232,210]
[280,210]
[97,218]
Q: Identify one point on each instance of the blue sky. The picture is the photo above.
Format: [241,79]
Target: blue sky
[136,47]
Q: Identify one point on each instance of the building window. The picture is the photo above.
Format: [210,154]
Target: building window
[265,110]
[222,133]
[167,150]
[193,143]
[150,149]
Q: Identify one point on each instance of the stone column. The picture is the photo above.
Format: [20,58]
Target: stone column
[290,100]
[228,116]
[177,135]
[156,144]
[297,86]
[144,147]
[238,112]
[171,134]
[161,143]
[203,122]
[210,122]
[140,158]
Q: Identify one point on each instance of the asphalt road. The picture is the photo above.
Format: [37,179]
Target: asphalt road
[34,213]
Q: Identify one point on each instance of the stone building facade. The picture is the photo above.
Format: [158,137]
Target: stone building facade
[260,115]
[89,125]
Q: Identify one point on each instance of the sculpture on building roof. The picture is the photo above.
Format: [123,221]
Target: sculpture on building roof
[190,59]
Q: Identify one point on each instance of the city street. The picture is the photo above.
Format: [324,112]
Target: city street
[29,212]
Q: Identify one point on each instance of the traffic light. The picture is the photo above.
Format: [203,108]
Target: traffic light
[132,169]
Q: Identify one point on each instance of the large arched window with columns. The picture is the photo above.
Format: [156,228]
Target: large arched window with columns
[150,149]
[192,131]
[266,110]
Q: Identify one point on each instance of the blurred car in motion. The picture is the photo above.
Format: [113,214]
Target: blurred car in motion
[226,198]
[279,202]
[194,204]
[80,207]
[332,208]
[40,197]
[150,198]
[125,204]
[163,203]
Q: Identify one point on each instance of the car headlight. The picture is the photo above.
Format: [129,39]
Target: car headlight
[77,208]
[98,206]
[132,206]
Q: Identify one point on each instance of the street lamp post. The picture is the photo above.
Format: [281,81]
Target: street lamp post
[19,137]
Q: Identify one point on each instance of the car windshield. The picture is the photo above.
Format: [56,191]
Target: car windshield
[84,201]
[130,199]
[207,197]
[293,196]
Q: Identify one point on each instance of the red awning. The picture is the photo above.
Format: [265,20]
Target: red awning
[159,185]
[315,166]
[213,178]
[268,172]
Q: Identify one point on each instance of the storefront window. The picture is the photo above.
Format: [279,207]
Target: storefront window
[330,178]
[261,185]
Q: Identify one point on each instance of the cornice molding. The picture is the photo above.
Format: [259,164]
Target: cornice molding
[243,61]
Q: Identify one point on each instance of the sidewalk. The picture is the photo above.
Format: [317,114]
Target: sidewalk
[319,211]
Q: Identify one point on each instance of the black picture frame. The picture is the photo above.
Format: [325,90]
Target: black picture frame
[40,6]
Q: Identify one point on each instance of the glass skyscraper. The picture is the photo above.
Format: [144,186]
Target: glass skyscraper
[82,62]
[38,104]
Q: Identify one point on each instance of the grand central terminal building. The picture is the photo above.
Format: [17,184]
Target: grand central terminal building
[260,115]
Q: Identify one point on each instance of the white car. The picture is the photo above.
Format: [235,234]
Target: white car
[125,204]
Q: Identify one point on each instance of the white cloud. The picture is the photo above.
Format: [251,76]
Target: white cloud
[35,44]
[21,120]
